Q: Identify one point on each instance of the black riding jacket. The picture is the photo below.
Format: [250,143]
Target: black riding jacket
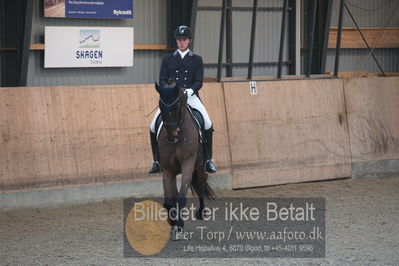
[187,72]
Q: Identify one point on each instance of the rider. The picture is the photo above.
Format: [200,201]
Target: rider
[187,70]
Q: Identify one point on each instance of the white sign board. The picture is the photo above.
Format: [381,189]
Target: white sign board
[252,88]
[88,47]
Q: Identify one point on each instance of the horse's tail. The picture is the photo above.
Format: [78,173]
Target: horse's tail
[200,186]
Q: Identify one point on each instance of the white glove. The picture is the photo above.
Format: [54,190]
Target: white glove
[189,92]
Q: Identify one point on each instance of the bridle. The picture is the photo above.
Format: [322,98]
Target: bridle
[176,124]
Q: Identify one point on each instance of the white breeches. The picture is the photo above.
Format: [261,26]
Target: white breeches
[195,103]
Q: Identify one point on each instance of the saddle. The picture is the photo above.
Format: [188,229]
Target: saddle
[195,114]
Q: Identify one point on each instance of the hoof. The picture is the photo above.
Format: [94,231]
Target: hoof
[176,234]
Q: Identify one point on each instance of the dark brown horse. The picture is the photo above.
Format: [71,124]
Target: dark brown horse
[180,152]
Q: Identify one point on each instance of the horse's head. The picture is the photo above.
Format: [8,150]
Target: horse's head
[173,105]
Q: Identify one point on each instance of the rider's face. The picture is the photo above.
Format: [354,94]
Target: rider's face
[182,43]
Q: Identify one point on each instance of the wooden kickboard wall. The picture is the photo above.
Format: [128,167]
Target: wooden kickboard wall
[373,116]
[53,137]
[290,131]
[60,136]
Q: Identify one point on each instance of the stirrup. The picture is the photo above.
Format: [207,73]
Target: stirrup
[156,168]
[210,166]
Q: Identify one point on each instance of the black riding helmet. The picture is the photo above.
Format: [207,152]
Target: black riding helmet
[183,32]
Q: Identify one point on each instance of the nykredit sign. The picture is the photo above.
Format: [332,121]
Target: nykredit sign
[112,9]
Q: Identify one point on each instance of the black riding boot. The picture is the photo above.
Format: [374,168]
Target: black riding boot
[156,167]
[210,166]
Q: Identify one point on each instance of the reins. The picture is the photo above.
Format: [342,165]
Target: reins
[169,105]
[151,112]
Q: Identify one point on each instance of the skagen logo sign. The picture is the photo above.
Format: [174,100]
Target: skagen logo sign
[88,47]
[89,39]
[88,42]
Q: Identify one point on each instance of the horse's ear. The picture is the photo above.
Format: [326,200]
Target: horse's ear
[157,87]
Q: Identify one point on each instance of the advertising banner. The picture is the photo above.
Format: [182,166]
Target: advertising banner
[114,9]
[88,47]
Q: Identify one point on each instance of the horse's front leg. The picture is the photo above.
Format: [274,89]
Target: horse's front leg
[170,194]
[187,172]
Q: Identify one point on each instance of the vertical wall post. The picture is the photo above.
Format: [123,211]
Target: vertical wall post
[327,10]
[229,39]
[338,47]
[193,21]
[25,47]
[221,41]
[311,36]
[292,41]
[252,45]
[298,38]
[282,35]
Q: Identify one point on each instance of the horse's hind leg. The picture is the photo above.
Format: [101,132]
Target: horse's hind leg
[200,213]
[199,184]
